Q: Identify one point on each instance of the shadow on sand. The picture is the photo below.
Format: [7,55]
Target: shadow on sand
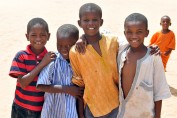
[173,91]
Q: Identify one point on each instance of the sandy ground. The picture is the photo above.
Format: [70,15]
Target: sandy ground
[15,14]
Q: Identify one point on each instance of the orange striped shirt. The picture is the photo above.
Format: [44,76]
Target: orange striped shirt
[98,74]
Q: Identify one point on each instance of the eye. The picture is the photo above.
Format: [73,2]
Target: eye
[86,20]
[33,35]
[128,32]
[139,32]
[95,20]
[43,35]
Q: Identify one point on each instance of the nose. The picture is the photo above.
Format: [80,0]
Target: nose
[134,35]
[38,38]
[91,23]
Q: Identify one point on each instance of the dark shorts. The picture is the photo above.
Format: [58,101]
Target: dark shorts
[112,114]
[19,112]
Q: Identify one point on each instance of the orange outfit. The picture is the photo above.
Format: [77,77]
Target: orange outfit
[98,74]
[165,42]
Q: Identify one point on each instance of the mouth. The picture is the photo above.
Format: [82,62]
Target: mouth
[65,53]
[134,41]
[91,28]
[38,43]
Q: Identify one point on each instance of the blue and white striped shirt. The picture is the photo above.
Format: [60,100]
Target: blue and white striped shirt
[57,105]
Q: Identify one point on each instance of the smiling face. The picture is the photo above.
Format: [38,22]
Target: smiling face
[90,21]
[64,44]
[165,22]
[38,37]
[135,32]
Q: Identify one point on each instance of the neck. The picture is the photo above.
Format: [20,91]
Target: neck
[164,31]
[93,39]
[36,51]
[141,48]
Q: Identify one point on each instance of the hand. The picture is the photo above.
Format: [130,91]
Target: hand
[50,56]
[81,45]
[167,52]
[155,50]
[75,91]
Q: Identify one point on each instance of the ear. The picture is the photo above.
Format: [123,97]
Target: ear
[170,24]
[79,23]
[48,36]
[27,37]
[101,22]
[160,23]
[147,33]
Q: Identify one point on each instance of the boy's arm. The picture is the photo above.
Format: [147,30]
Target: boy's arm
[72,90]
[75,64]
[25,80]
[80,107]
[168,52]
[81,45]
[158,105]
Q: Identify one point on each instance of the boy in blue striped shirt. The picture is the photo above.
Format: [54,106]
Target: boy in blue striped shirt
[55,79]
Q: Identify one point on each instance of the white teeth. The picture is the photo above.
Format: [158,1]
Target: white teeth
[91,28]
[65,54]
[134,41]
[38,43]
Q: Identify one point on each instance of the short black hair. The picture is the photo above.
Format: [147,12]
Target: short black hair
[166,17]
[35,21]
[90,7]
[68,30]
[136,17]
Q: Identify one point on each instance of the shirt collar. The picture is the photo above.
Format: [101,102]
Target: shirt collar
[59,56]
[41,55]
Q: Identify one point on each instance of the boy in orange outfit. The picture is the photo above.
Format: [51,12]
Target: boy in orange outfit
[165,39]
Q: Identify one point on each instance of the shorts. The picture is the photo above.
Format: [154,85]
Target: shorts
[112,114]
[19,112]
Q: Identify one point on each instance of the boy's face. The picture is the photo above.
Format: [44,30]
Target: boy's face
[38,37]
[64,44]
[165,22]
[135,32]
[90,22]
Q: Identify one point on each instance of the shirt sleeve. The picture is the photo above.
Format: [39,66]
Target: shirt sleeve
[18,66]
[76,79]
[122,43]
[161,88]
[46,75]
[172,43]
[154,38]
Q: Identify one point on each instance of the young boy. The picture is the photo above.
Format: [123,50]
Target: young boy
[142,84]
[26,66]
[165,39]
[93,70]
[55,78]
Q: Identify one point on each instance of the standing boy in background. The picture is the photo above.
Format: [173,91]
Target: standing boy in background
[142,81]
[26,66]
[165,39]
[55,79]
